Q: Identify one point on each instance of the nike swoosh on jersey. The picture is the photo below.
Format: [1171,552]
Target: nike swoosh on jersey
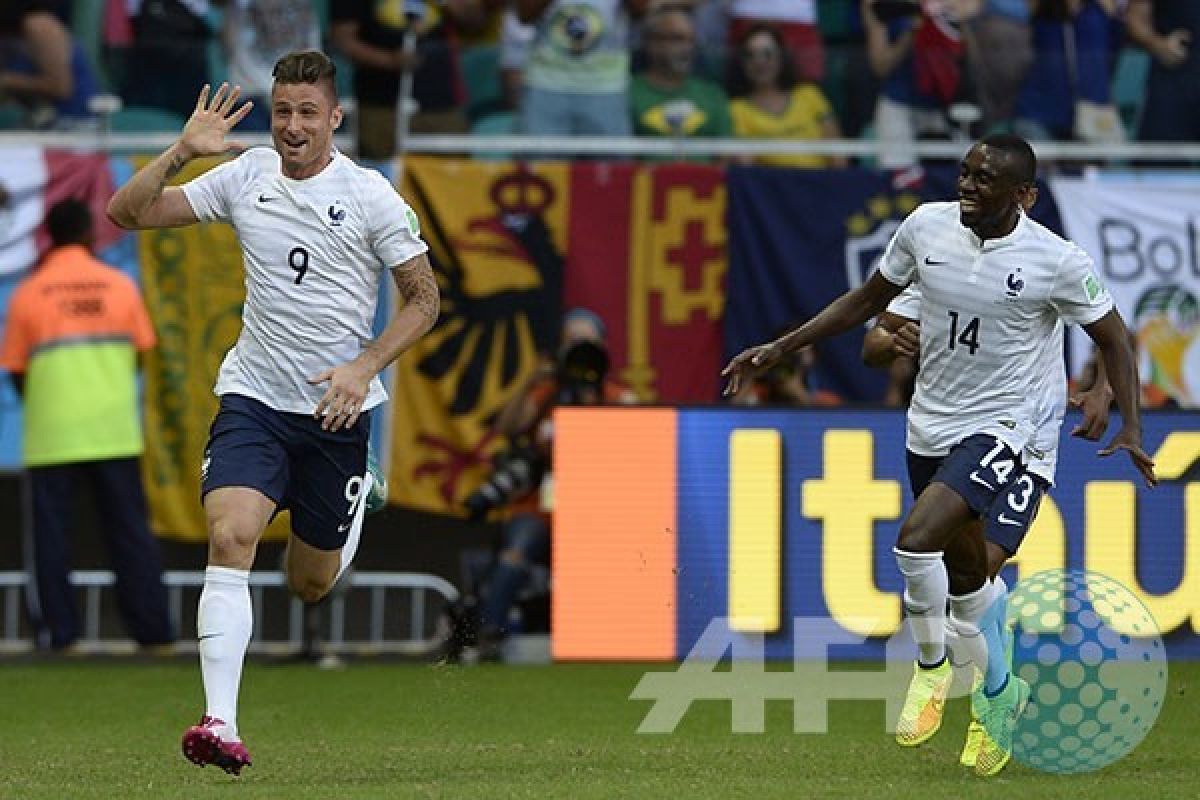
[1003,520]
[262,198]
[343,528]
[975,477]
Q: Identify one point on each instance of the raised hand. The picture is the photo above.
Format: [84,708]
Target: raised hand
[205,131]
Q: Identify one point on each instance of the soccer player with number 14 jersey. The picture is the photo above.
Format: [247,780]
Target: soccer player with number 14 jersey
[995,286]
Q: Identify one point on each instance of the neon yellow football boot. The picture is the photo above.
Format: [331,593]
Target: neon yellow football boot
[923,706]
[999,722]
[979,703]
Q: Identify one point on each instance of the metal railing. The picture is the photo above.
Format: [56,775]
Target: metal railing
[563,146]
[422,638]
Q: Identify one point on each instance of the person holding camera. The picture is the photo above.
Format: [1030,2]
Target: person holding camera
[522,483]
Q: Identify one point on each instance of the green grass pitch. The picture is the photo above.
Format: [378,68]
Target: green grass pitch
[110,729]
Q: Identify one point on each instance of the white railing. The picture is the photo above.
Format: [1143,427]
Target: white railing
[522,146]
[422,639]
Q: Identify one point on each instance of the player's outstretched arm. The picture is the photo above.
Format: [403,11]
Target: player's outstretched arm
[146,201]
[853,308]
[348,383]
[1112,340]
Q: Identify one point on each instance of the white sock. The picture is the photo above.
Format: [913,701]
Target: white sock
[356,526]
[224,622]
[966,615]
[926,586]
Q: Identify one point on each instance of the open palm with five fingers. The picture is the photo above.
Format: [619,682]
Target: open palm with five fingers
[205,131]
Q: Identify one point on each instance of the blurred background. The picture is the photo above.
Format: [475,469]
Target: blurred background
[618,196]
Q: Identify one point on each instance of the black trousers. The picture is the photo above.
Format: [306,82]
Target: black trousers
[116,485]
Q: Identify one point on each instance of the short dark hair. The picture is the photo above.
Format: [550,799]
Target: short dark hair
[69,222]
[307,66]
[1020,155]
[739,82]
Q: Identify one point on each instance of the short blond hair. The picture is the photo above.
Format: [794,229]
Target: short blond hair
[307,66]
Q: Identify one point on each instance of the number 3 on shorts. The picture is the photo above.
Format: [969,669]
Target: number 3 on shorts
[1025,488]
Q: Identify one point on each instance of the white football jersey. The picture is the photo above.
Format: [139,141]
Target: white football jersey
[1041,456]
[991,324]
[315,251]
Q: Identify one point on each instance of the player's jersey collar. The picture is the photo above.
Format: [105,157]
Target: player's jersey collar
[1010,237]
[334,157]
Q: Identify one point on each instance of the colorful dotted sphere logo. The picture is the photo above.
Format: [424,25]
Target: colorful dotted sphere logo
[1094,658]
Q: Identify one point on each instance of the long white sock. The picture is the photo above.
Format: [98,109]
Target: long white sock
[224,622]
[966,618]
[926,586]
[356,526]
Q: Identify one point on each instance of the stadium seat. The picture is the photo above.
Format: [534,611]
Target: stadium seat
[499,123]
[1129,87]
[481,74]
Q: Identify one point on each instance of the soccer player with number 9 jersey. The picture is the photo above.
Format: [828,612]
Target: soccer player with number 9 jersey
[318,235]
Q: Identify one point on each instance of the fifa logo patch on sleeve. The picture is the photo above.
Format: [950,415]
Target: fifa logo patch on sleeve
[413,223]
[1092,288]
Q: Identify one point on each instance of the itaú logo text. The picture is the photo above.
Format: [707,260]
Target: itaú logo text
[849,502]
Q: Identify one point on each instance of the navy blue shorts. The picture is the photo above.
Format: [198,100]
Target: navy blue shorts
[978,468]
[1007,521]
[316,474]
[1000,491]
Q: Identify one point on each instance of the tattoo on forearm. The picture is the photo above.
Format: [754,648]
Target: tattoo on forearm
[176,163]
[419,288]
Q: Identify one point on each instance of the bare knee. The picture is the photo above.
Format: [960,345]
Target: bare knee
[231,543]
[308,588]
[997,557]
[965,581]
[916,537]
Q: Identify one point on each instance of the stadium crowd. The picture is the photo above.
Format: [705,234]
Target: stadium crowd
[1090,70]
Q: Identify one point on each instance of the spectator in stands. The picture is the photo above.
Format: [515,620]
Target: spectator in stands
[999,53]
[769,104]
[75,327]
[913,98]
[796,21]
[42,67]
[516,40]
[1067,91]
[666,99]
[577,376]
[256,34]
[372,36]
[168,61]
[711,20]
[1168,29]
[577,77]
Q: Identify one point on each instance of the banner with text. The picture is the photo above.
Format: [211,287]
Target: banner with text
[1145,240]
[760,516]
